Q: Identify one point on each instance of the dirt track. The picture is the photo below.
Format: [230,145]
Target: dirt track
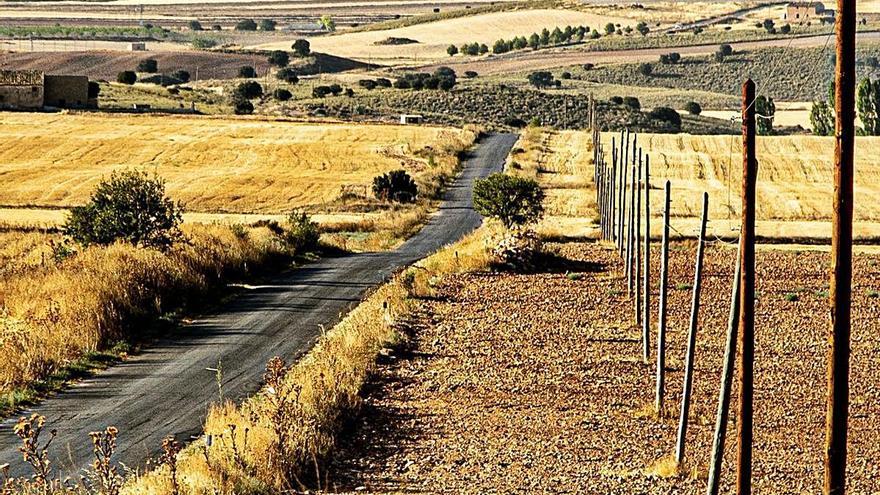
[535,383]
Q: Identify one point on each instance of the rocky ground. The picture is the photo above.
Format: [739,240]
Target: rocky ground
[526,383]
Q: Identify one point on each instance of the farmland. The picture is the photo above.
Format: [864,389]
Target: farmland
[212,165]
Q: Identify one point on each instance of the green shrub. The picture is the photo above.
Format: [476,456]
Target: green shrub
[668,115]
[130,206]
[195,26]
[301,48]
[181,75]
[632,102]
[268,25]
[279,58]
[725,49]
[248,90]
[302,233]
[693,108]
[646,69]
[282,94]
[367,84]
[288,75]
[242,107]
[126,77]
[246,71]
[515,201]
[246,25]
[541,79]
[397,186]
[148,65]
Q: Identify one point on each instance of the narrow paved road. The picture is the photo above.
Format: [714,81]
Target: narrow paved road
[167,389]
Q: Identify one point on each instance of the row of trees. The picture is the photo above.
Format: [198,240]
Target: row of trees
[537,40]
[822,115]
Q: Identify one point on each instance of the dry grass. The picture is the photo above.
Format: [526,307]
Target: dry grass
[672,12]
[307,408]
[561,162]
[434,37]
[213,164]
[55,311]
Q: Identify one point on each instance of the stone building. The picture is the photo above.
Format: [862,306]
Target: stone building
[31,89]
[801,12]
[21,89]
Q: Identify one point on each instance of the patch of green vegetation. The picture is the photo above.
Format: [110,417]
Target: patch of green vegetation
[83,31]
[574,276]
[873,294]
[84,367]
[681,286]
[792,297]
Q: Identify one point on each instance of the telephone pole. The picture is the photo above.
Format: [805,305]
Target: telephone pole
[837,412]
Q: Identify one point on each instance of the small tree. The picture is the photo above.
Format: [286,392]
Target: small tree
[246,25]
[868,106]
[282,94]
[822,119]
[242,107]
[148,65]
[288,75]
[725,49]
[534,41]
[247,71]
[302,233]
[642,28]
[268,25]
[181,75]
[667,115]
[397,186]
[541,79]
[646,69]
[367,84]
[765,110]
[515,201]
[126,77]
[195,26]
[301,48]
[610,28]
[693,108]
[785,29]
[279,58]
[327,23]
[452,50]
[130,207]
[248,90]
[632,102]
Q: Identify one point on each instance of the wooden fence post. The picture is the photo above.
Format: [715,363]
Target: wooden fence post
[692,337]
[646,285]
[661,323]
[637,255]
[629,232]
[621,201]
[747,297]
[726,384]
[613,188]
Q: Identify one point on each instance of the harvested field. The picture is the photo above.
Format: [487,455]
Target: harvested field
[535,383]
[434,37]
[212,164]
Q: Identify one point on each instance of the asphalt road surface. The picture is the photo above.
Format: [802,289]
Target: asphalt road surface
[167,389]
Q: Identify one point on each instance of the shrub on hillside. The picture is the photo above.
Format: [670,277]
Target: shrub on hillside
[301,48]
[632,102]
[246,71]
[130,206]
[195,26]
[267,25]
[248,90]
[470,74]
[616,100]
[287,75]
[693,108]
[396,186]
[668,115]
[279,58]
[383,82]
[246,25]
[726,49]
[515,201]
[282,94]
[242,107]
[126,77]
[148,65]
[541,79]
[646,69]
[181,75]
[367,84]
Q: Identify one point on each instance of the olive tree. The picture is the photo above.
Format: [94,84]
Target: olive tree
[515,201]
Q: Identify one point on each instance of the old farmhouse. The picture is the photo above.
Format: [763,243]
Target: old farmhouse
[31,89]
[801,12]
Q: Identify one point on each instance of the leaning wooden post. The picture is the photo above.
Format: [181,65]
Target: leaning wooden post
[661,323]
[638,232]
[646,285]
[747,297]
[692,337]
[726,384]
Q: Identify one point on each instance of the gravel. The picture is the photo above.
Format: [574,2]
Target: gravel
[535,382]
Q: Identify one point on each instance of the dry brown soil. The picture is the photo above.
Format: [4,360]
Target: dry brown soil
[535,383]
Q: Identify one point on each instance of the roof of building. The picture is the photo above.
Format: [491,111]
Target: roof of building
[20,77]
[806,4]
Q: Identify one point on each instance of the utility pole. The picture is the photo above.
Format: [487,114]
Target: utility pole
[747,295]
[837,412]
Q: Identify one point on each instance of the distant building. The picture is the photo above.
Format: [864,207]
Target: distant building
[801,12]
[411,119]
[137,46]
[31,89]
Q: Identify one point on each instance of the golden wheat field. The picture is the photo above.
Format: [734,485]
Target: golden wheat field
[434,37]
[218,165]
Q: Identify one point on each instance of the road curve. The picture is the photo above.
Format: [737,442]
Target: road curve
[167,389]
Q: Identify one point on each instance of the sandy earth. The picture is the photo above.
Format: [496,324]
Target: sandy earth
[535,383]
